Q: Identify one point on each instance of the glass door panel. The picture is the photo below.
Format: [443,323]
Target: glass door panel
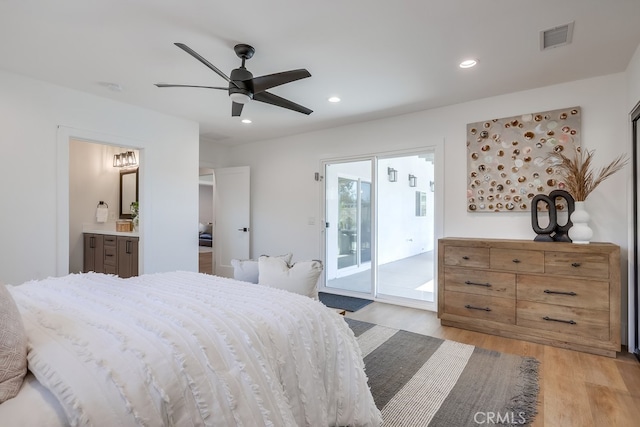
[406,228]
[348,232]
[348,220]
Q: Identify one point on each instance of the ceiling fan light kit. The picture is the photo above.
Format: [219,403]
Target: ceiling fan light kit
[239,97]
[243,87]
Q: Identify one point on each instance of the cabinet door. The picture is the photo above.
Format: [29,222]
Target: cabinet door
[93,253]
[127,256]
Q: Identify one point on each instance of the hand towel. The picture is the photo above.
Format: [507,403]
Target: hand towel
[102,214]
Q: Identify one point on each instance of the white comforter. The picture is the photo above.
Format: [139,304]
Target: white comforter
[186,349]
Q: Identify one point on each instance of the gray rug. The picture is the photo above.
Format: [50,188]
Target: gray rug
[343,302]
[417,380]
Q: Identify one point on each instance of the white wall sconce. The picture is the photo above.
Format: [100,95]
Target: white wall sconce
[432,186]
[393,174]
[413,181]
[124,160]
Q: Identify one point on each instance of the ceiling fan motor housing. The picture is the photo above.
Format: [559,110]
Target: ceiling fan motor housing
[243,83]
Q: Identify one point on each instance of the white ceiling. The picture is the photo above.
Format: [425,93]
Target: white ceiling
[381,57]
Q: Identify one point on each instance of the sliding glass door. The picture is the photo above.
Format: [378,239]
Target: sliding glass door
[379,236]
[348,226]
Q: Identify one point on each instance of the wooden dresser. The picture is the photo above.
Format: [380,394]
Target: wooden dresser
[560,294]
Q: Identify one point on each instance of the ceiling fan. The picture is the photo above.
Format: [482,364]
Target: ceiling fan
[243,87]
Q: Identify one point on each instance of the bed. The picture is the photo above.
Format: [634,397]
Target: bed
[184,349]
[205,239]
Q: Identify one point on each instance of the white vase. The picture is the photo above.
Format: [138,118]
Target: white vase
[580,232]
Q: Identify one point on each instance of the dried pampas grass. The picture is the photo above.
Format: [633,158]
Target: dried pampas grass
[578,175]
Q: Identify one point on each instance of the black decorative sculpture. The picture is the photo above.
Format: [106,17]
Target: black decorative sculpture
[553,232]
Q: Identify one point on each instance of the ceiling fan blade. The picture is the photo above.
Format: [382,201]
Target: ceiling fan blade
[272,99]
[262,83]
[236,109]
[203,87]
[204,61]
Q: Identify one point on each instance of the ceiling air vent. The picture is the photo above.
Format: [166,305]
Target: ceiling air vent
[556,37]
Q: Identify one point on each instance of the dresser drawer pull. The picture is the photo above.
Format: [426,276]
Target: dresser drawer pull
[517,261]
[468,282]
[477,308]
[108,254]
[551,319]
[575,264]
[547,291]
[466,258]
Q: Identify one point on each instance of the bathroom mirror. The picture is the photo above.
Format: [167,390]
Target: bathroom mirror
[128,191]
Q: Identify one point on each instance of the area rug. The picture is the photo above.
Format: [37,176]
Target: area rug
[417,380]
[342,302]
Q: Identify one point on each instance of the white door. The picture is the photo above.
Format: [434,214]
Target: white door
[232,230]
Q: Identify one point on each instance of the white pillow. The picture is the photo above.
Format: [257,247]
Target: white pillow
[300,278]
[247,269]
[13,347]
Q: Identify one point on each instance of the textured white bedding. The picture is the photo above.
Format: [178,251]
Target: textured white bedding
[33,406]
[188,349]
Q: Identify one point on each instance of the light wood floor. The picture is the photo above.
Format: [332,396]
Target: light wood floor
[576,389]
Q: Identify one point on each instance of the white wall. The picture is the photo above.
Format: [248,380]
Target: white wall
[31,112]
[284,194]
[633,81]
[212,154]
[205,210]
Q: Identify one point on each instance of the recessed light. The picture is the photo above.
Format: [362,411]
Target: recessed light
[468,63]
[334,99]
[247,121]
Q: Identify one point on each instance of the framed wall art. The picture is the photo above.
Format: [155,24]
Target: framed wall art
[507,159]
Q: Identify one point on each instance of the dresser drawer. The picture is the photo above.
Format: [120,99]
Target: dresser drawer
[517,260]
[577,264]
[466,257]
[110,253]
[484,307]
[581,293]
[110,240]
[480,282]
[571,321]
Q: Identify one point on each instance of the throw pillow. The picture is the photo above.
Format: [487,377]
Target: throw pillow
[13,347]
[300,278]
[247,269]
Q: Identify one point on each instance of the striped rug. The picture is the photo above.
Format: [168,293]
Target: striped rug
[417,380]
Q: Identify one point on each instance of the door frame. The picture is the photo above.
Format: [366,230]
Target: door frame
[244,173]
[634,288]
[359,265]
[63,137]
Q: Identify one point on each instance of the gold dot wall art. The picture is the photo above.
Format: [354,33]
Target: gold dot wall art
[507,159]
